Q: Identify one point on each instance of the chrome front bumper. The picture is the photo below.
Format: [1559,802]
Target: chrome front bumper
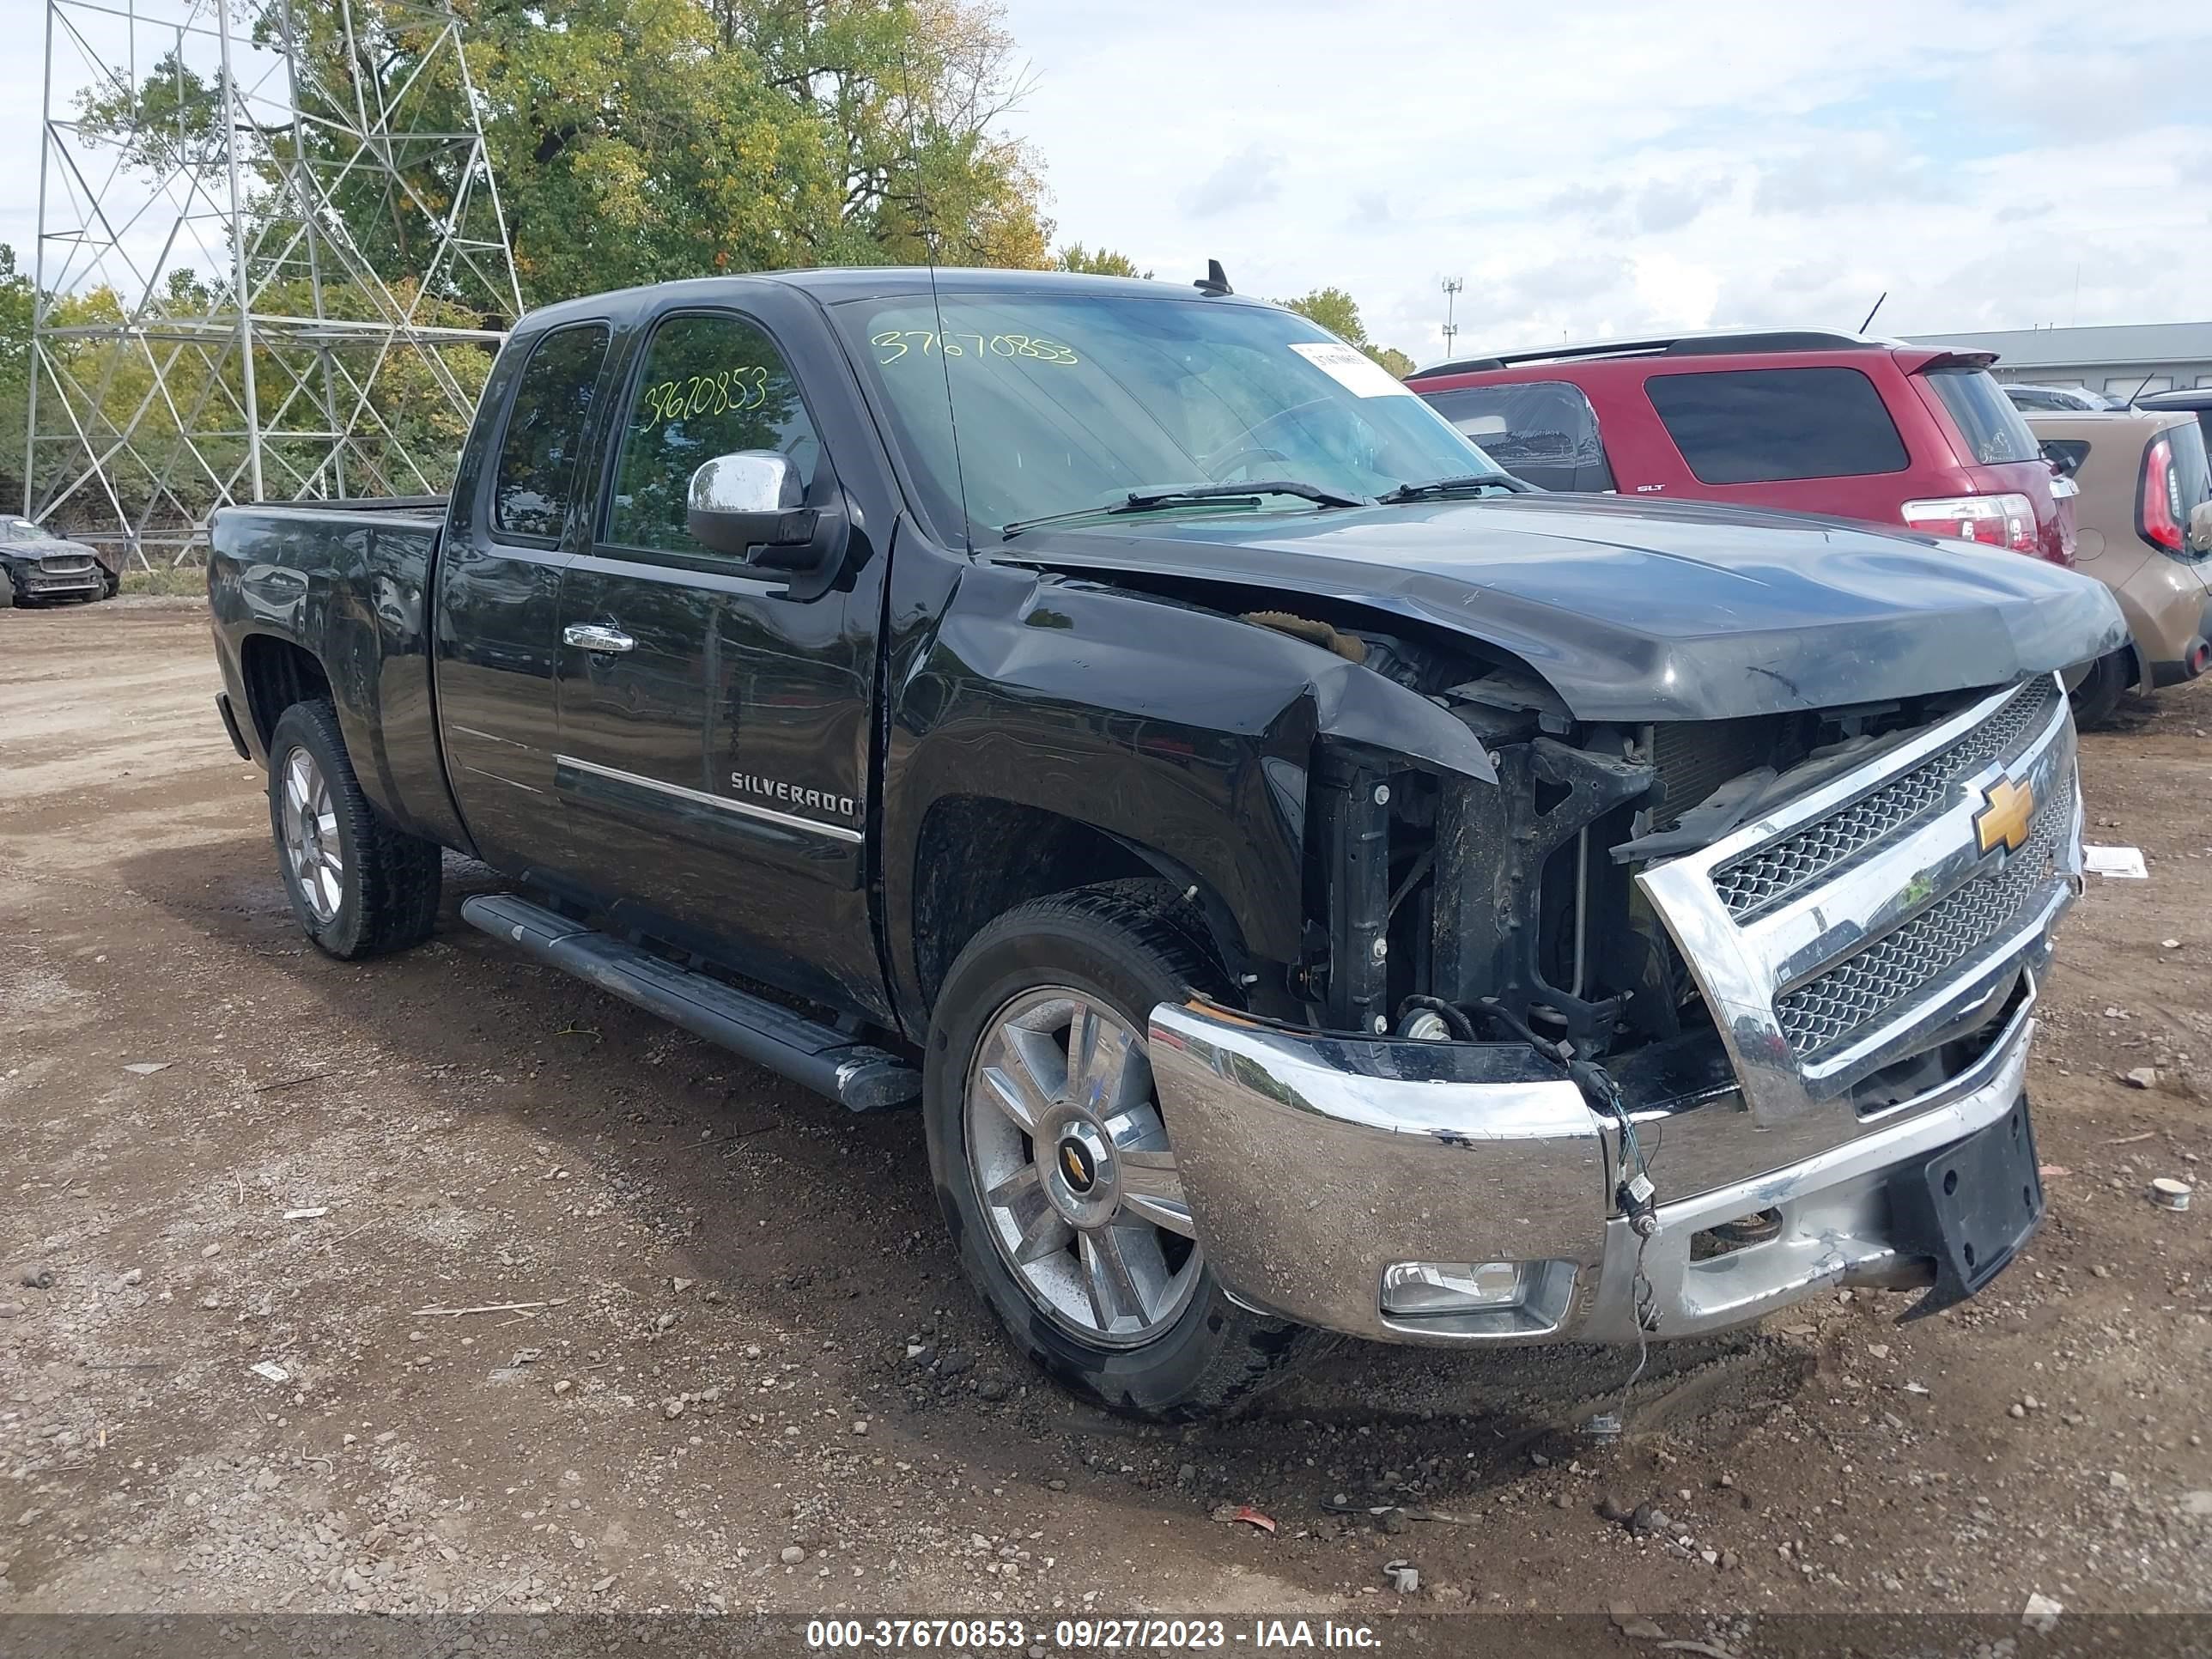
[1313,1163]
[1896,913]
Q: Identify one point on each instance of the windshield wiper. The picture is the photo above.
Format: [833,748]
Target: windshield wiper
[1147,501]
[1436,487]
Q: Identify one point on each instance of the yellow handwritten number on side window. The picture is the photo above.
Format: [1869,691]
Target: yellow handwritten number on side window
[724,391]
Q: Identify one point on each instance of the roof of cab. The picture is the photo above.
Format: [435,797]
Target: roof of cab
[838,285]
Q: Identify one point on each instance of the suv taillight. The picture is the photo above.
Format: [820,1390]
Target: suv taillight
[2162,499]
[2007,520]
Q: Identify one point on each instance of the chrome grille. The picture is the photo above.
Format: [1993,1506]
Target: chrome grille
[65,564]
[1867,988]
[1855,924]
[1773,874]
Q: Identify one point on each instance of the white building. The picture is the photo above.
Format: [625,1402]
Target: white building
[2120,359]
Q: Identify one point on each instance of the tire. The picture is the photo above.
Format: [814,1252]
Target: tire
[2100,692]
[1165,1343]
[7,590]
[359,886]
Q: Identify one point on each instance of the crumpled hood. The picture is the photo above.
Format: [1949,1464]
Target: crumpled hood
[1636,611]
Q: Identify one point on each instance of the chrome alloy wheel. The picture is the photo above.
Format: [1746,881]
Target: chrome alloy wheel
[311,837]
[1074,1165]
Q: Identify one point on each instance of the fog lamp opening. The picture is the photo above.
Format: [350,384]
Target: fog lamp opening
[1411,1289]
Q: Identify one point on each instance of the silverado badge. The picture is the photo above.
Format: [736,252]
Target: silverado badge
[2007,807]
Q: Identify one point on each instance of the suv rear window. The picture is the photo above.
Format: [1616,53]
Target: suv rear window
[1985,417]
[1544,431]
[1763,425]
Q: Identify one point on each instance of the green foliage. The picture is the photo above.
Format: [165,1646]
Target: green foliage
[1096,262]
[15,308]
[186,581]
[639,140]
[1337,312]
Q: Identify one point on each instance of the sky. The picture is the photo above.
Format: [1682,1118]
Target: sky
[1589,169]
[1594,170]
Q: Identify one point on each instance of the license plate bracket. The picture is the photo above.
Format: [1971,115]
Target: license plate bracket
[1970,1207]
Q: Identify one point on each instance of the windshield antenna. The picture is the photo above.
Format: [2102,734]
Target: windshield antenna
[936,302]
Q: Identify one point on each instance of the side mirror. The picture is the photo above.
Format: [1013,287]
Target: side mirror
[2063,462]
[2200,528]
[749,506]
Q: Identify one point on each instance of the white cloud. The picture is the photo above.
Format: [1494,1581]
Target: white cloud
[1601,168]
[1251,178]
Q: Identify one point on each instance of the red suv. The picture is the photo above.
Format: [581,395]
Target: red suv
[1800,420]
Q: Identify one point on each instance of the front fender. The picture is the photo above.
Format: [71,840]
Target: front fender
[1178,731]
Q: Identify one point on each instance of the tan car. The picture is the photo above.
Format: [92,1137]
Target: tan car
[2144,523]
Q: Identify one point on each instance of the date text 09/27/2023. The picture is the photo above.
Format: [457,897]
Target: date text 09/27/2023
[1088,1634]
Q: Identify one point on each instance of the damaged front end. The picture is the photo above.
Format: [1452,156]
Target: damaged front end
[1661,1027]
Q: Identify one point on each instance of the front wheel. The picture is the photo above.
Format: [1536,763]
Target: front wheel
[359,886]
[1055,1164]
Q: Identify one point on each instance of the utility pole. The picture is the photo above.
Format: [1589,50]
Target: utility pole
[1452,287]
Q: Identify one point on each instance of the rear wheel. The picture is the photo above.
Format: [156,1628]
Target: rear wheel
[359,886]
[2100,692]
[1056,1167]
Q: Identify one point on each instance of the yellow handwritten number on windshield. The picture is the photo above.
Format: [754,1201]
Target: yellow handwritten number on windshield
[894,344]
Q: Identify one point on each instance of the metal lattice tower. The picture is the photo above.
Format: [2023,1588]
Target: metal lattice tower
[271,261]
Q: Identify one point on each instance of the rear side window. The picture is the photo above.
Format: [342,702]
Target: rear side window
[1761,425]
[1545,431]
[1985,417]
[531,489]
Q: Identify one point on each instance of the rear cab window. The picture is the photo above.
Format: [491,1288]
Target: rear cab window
[534,484]
[1987,420]
[1743,426]
[1544,431]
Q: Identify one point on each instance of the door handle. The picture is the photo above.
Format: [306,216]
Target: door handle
[593,637]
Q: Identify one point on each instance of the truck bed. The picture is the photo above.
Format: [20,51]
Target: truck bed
[349,585]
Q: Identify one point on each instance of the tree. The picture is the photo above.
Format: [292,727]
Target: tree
[636,141]
[15,308]
[1337,312]
[1098,262]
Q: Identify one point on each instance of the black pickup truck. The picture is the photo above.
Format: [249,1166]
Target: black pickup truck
[1309,881]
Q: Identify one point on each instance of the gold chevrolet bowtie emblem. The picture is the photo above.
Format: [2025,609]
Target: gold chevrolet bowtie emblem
[1074,1160]
[2005,809]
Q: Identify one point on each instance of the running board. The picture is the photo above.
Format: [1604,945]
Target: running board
[857,1075]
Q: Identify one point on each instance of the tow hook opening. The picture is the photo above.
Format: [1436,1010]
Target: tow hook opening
[1759,1227]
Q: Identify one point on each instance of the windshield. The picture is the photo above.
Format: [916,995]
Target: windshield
[22,530]
[1068,402]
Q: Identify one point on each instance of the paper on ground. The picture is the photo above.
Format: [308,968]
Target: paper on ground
[2124,861]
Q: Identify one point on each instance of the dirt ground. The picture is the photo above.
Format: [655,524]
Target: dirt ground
[745,1339]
